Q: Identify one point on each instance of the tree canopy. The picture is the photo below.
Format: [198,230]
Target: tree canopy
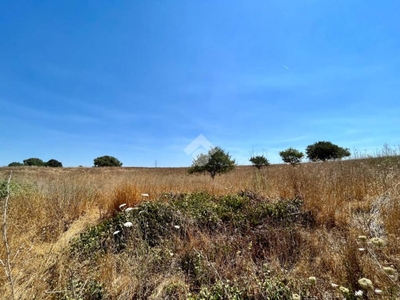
[216,161]
[291,156]
[107,161]
[259,161]
[15,164]
[53,163]
[34,162]
[323,151]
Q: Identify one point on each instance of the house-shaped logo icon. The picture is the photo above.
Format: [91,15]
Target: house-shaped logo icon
[199,145]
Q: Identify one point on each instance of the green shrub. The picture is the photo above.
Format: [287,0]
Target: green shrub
[195,268]
[267,289]
[200,208]
[156,221]
[16,188]
[237,211]
[275,288]
[151,221]
[101,238]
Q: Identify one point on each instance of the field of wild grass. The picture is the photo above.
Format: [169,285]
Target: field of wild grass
[306,232]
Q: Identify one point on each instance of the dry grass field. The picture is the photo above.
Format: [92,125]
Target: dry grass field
[306,232]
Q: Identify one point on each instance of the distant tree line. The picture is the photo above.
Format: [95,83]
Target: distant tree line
[319,151]
[37,162]
[102,161]
[217,161]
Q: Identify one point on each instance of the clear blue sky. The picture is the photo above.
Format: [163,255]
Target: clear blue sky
[140,80]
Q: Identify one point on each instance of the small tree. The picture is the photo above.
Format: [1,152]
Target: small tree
[259,161]
[34,162]
[291,156]
[107,161]
[325,151]
[53,163]
[216,161]
[15,164]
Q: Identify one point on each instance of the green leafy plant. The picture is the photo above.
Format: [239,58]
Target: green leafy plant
[15,188]
[199,207]
[275,288]
[237,211]
[216,161]
[156,221]
[194,267]
[108,235]
[224,289]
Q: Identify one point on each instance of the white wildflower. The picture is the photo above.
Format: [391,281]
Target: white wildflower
[365,283]
[128,224]
[358,293]
[389,270]
[177,226]
[312,280]
[361,249]
[116,232]
[377,242]
[128,209]
[296,297]
[122,206]
[334,285]
[378,292]
[145,195]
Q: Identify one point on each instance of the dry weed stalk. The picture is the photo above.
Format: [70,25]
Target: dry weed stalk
[7,264]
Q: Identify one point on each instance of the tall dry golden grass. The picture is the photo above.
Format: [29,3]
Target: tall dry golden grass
[48,207]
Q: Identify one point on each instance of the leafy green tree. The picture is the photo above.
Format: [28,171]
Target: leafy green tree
[259,161]
[34,162]
[15,164]
[107,161]
[342,152]
[53,163]
[216,161]
[291,156]
[326,151]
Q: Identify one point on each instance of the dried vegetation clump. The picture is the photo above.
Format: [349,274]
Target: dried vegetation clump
[324,230]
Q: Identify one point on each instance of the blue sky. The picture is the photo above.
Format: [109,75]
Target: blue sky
[140,80]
